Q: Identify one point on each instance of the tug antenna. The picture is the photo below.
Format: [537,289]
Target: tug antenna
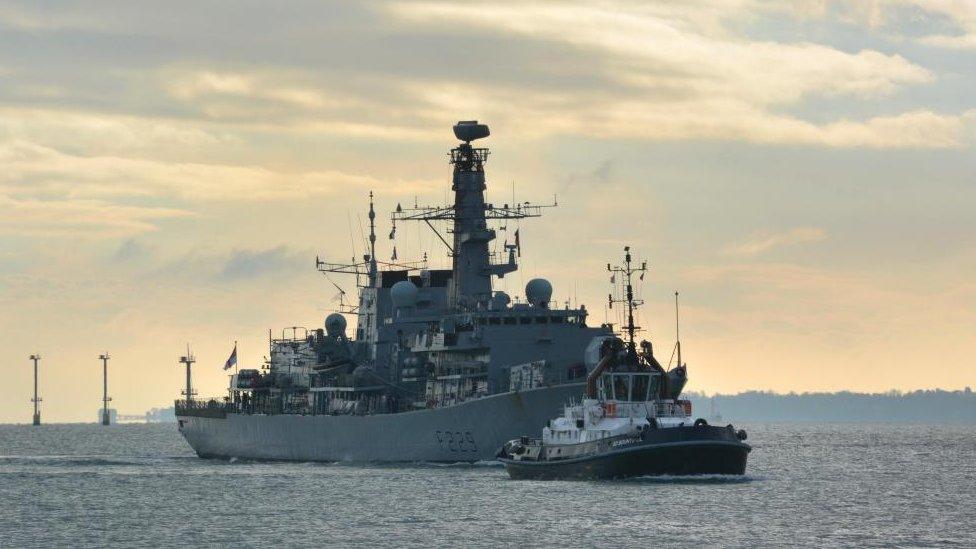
[627,273]
[677,328]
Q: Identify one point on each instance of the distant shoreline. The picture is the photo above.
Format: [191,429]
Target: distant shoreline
[935,406]
[926,406]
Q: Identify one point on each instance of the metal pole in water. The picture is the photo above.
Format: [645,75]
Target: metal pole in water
[106,420]
[188,360]
[36,400]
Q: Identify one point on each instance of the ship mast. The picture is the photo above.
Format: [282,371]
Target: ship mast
[627,271]
[369,266]
[472,265]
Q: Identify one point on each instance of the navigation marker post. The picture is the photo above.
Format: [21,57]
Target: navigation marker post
[188,359]
[36,400]
[106,420]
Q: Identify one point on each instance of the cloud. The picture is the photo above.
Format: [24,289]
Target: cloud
[599,175]
[905,19]
[672,77]
[216,267]
[130,250]
[392,71]
[244,264]
[36,170]
[765,242]
[79,218]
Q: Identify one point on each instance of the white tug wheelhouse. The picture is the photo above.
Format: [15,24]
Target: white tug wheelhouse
[626,404]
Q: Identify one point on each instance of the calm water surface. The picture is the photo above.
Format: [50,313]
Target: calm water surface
[813,485]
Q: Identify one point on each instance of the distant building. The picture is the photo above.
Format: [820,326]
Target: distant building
[161,415]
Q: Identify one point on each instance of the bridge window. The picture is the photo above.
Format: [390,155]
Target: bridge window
[525,320]
[541,319]
[621,387]
[607,386]
[556,320]
[509,320]
[494,320]
[639,389]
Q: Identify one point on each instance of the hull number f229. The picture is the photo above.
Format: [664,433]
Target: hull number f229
[456,441]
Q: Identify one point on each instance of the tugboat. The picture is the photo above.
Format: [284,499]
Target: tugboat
[630,421]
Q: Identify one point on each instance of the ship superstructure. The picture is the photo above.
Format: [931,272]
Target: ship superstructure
[436,350]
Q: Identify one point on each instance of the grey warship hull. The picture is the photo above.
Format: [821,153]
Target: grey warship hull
[467,432]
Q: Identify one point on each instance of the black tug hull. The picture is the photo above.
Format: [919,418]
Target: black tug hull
[705,455]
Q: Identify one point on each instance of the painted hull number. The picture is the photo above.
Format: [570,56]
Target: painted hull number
[456,441]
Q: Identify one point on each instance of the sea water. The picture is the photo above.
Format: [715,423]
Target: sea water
[806,484]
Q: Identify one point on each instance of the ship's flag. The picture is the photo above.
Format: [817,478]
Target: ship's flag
[518,243]
[394,258]
[232,359]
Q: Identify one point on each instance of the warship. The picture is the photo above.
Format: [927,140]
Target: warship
[441,367]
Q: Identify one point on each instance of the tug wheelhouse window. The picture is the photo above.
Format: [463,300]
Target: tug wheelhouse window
[606,387]
[621,387]
[639,389]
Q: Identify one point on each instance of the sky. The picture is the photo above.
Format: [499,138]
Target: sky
[802,171]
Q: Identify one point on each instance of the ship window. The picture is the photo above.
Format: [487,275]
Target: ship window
[655,385]
[607,387]
[621,387]
[509,320]
[494,320]
[525,320]
[639,389]
[541,319]
[556,320]
[482,320]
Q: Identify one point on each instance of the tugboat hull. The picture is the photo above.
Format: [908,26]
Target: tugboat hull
[688,455]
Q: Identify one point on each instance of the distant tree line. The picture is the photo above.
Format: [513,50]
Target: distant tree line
[916,406]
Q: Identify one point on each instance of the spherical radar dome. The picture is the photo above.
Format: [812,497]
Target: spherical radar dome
[500,301]
[404,294]
[335,324]
[538,292]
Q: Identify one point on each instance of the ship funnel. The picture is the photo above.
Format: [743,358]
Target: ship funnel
[469,130]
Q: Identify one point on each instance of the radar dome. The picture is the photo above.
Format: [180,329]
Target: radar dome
[538,292]
[335,325]
[500,301]
[404,294]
